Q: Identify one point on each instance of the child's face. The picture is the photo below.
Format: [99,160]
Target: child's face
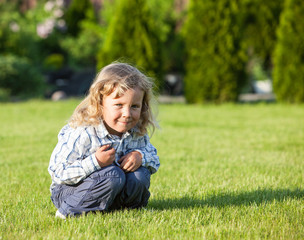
[120,114]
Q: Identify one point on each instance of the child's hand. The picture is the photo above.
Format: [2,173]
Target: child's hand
[105,155]
[131,161]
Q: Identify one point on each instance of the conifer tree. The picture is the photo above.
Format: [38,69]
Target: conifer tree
[215,68]
[260,20]
[132,37]
[288,73]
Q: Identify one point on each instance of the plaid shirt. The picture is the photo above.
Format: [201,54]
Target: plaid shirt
[73,158]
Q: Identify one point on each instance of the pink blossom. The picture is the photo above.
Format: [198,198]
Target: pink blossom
[58,13]
[14,27]
[49,6]
[46,28]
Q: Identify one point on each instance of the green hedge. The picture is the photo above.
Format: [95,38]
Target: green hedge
[288,74]
[215,68]
[19,78]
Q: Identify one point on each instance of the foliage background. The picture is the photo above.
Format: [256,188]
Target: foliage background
[288,56]
[219,54]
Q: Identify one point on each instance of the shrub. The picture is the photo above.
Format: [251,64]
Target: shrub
[19,77]
[81,49]
[215,67]
[34,33]
[288,73]
[4,95]
[261,19]
[75,13]
[54,61]
[17,35]
[132,36]
[168,17]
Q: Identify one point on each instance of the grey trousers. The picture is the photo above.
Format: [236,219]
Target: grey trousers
[106,189]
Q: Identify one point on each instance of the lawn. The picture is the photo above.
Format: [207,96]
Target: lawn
[227,172]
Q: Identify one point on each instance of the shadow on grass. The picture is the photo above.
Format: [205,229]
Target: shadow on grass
[256,197]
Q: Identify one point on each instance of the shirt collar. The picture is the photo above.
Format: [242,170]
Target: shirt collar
[103,132]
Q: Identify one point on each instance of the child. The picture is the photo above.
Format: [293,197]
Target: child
[104,159]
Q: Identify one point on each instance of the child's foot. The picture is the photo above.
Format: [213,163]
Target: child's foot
[60,215]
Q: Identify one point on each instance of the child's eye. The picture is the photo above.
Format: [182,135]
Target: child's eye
[135,106]
[118,105]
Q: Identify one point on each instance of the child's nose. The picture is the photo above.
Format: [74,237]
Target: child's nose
[126,112]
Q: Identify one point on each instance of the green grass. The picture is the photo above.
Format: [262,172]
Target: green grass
[227,172]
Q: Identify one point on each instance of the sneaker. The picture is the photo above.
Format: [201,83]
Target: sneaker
[59,215]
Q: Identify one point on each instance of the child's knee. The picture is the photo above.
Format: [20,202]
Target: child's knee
[136,192]
[112,175]
[139,179]
[118,182]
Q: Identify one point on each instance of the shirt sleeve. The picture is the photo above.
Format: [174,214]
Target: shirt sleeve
[69,163]
[150,158]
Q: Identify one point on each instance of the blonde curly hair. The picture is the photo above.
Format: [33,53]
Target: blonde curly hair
[121,77]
